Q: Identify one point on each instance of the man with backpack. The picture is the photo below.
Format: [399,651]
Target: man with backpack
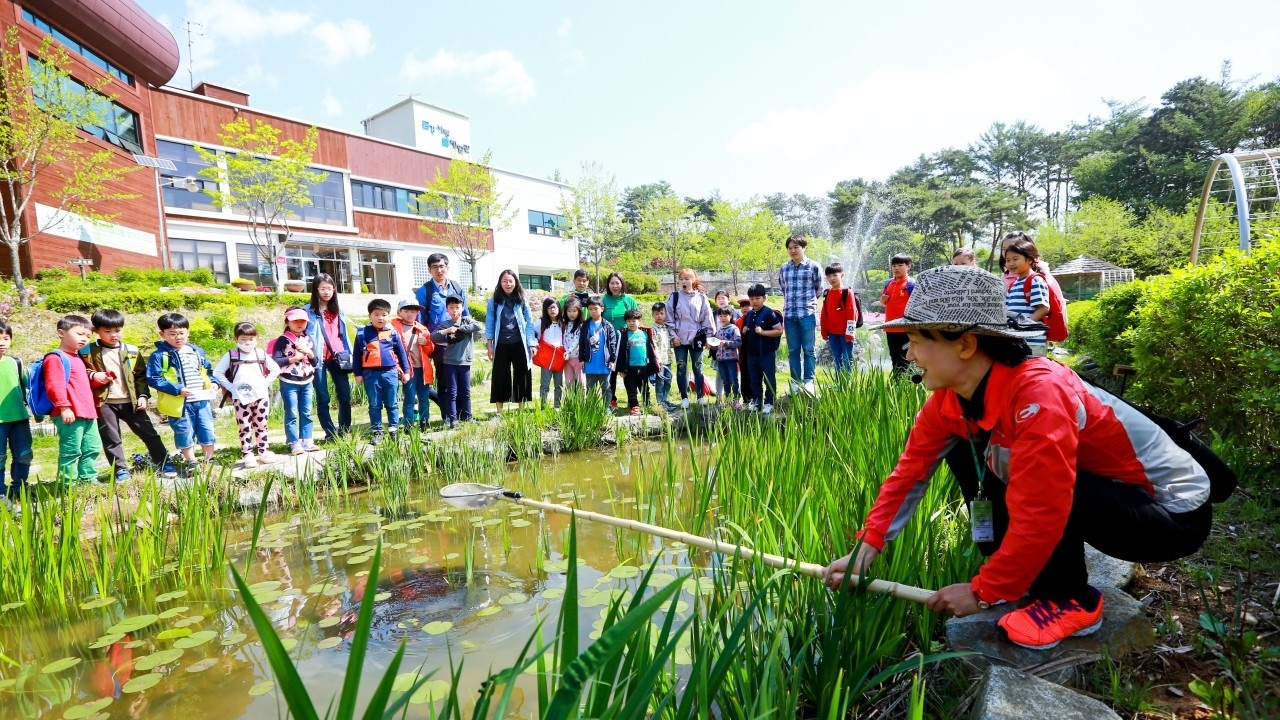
[431,297]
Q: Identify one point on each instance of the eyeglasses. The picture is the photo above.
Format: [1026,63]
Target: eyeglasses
[438,266]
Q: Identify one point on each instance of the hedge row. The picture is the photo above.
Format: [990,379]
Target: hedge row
[1204,340]
[65,301]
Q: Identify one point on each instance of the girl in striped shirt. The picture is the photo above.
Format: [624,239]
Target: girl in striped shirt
[1029,294]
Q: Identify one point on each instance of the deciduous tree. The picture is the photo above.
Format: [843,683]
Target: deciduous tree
[468,198]
[591,215]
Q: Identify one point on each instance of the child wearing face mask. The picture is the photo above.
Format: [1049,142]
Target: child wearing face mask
[246,373]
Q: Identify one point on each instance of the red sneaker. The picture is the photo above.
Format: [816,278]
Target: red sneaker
[1045,623]
[635,411]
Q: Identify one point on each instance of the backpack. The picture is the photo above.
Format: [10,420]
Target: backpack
[429,289]
[1056,320]
[234,365]
[37,396]
[1222,479]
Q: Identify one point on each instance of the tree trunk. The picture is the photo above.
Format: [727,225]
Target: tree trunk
[16,261]
[276,275]
[471,262]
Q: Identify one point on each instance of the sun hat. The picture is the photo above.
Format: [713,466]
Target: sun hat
[744,300]
[961,298]
[410,304]
[295,314]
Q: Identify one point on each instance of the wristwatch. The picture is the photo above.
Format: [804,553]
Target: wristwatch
[983,605]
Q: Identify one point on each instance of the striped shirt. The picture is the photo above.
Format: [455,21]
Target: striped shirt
[800,284]
[1015,301]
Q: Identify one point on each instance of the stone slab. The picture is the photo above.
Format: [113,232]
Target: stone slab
[1125,629]
[1008,694]
[1106,571]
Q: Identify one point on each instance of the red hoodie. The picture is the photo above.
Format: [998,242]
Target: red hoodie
[838,308]
[76,394]
[1046,426]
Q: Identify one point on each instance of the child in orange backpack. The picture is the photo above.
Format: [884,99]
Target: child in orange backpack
[418,393]
[382,367]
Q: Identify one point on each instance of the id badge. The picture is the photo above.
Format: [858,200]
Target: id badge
[982,521]
[850,327]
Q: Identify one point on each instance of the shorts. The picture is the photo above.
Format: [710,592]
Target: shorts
[197,420]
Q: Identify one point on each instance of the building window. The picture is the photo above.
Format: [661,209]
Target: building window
[464,272]
[392,199]
[421,271]
[253,264]
[535,282]
[189,164]
[328,201]
[119,123]
[75,47]
[378,274]
[194,254]
[305,262]
[541,223]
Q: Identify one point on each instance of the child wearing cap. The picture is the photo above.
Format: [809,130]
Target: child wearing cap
[455,338]
[294,352]
[382,366]
[416,339]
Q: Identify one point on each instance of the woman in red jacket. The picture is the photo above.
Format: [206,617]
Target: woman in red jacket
[1046,462]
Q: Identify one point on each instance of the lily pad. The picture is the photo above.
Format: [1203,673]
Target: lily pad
[188,621]
[357,559]
[288,643]
[79,712]
[262,688]
[419,560]
[174,633]
[99,603]
[328,621]
[173,612]
[553,593]
[380,597]
[202,665]
[330,642]
[398,546]
[106,641]
[333,590]
[60,665]
[491,610]
[513,599]
[451,556]
[520,523]
[142,682]
[267,596]
[430,691]
[156,659]
[233,639]
[437,628]
[265,585]
[169,596]
[133,624]
[623,572]
[196,640]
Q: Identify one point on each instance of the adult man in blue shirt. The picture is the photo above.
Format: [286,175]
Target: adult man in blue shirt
[801,279]
[431,297]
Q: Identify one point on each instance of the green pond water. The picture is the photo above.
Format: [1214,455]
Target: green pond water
[191,652]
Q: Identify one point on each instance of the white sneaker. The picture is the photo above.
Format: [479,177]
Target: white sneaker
[752,408]
[767,409]
[702,400]
[249,461]
[268,457]
[684,403]
[810,388]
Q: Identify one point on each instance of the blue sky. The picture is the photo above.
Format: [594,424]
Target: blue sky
[746,97]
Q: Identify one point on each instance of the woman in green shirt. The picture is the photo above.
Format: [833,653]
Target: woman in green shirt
[616,303]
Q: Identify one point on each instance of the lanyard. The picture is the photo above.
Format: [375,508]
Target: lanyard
[979,467]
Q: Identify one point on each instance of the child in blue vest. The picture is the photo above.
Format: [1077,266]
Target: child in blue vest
[181,370]
[383,365]
[15,421]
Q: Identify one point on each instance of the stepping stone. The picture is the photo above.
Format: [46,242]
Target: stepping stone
[1106,571]
[1008,694]
[1125,629]
[639,425]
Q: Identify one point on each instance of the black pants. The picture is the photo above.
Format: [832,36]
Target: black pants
[110,415]
[1117,518]
[633,378]
[512,379]
[897,344]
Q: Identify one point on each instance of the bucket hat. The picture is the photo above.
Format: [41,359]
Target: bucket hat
[961,298]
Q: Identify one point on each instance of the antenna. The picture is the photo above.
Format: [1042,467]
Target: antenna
[193,30]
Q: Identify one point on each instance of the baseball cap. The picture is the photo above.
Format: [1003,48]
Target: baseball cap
[410,304]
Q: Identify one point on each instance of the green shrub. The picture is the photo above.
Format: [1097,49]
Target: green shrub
[166,278]
[133,301]
[637,282]
[53,274]
[478,309]
[1204,340]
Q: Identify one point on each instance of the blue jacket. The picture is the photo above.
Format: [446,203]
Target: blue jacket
[155,367]
[390,351]
[524,323]
[315,331]
[428,290]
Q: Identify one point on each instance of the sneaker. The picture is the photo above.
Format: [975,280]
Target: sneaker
[767,409]
[810,388]
[1045,623]
[123,476]
[268,457]
[704,400]
[753,408]
[297,449]
[376,438]
[613,404]
[422,425]
[249,461]
[635,411]
[684,403]
[310,446]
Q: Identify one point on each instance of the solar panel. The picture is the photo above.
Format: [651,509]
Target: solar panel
[153,162]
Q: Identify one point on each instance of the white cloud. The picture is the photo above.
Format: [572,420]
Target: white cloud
[566,27]
[889,118]
[350,38]
[499,72]
[236,23]
[332,106]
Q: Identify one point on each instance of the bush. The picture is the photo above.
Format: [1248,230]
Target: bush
[132,301]
[637,282]
[1205,341]
[478,309]
[167,278]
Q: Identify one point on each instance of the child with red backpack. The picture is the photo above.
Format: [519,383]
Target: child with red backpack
[838,318]
[1029,294]
[1056,320]
[250,391]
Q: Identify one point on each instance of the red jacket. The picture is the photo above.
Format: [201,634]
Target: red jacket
[895,296]
[1046,426]
[76,394]
[837,311]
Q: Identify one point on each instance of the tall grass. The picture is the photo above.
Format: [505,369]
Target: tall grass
[582,419]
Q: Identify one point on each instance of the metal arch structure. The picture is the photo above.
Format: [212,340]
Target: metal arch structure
[1254,177]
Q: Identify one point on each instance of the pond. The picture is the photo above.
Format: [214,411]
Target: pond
[463,586]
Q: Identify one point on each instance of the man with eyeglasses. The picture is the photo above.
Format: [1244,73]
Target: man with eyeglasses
[432,296]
